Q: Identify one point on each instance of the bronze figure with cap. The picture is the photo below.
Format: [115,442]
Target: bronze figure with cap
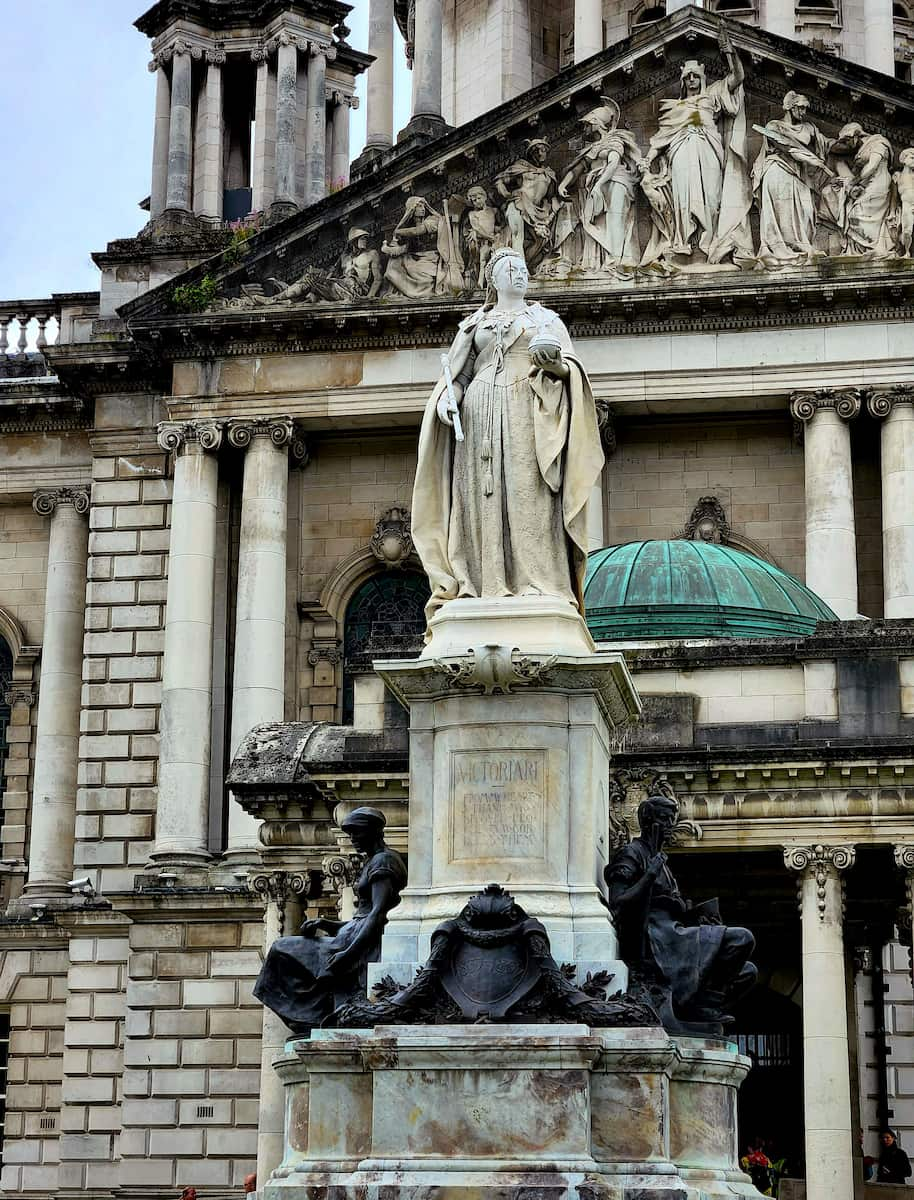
[305,979]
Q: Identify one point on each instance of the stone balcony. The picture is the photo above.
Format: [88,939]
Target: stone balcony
[28,327]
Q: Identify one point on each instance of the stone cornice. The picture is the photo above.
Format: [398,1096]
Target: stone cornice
[90,369]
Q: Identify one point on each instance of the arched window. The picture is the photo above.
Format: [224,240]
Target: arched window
[385,618]
[734,6]
[901,12]
[646,16]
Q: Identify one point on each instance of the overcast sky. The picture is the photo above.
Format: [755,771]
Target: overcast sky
[77,101]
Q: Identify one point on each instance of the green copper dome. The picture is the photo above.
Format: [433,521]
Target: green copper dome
[684,589]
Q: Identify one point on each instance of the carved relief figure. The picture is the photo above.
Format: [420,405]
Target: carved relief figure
[696,177]
[503,512]
[904,188]
[423,259]
[481,232]
[690,965]
[606,175]
[306,978]
[869,196]
[788,176]
[356,276]
[529,187]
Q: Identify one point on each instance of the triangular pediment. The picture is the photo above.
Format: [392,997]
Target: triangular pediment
[306,273]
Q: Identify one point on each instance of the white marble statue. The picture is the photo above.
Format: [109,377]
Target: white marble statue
[904,190]
[605,176]
[789,175]
[869,199]
[503,512]
[528,188]
[423,258]
[696,171]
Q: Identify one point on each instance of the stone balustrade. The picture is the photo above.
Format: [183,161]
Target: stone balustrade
[27,325]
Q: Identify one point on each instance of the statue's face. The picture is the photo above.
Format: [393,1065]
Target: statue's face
[510,276]
[663,818]
[363,837]
[906,158]
[799,110]
[420,212]
[477,198]
[538,154]
[692,81]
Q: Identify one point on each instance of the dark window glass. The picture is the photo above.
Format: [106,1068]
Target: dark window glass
[765,1049]
[385,619]
[4,1068]
[656,13]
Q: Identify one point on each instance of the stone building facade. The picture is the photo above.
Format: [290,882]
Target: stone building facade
[204,529]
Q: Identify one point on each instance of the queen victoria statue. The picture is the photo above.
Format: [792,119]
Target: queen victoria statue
[502,512]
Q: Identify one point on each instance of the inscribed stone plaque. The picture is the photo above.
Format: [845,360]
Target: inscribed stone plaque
[498,804]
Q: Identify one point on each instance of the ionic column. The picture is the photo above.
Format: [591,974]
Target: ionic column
[904,860]
[260,176]
[179,132]
[210,203]
[339,155]
[53,812]
[588,28]
[258,684]
[286,117]
[826,1064]
[779,16]
[280,890]
[182,813]
[380,113]
[159,192]
[427,60]
[895,408]
[831,546]
[316,131]
[879,37]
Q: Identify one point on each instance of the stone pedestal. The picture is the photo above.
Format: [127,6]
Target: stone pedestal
[512,720]
[480,1111]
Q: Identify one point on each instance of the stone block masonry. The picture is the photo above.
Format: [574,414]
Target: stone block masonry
[119,746]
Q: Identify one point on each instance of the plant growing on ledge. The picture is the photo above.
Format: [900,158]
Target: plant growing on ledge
[237,247]
[194,297]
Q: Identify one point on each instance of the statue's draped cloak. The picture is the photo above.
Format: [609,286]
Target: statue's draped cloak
[559,444]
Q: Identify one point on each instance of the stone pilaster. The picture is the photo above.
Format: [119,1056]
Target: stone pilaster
[280,890]
[53,812]
[264,132]
[826,1064]
[339,141]
[831,548]
[159,191]
[895,408]
[380,114]
[588,28]
[209,139]
[182,814]
[179,132]
[316,130]
[286,117]
[258,685]
[904,860]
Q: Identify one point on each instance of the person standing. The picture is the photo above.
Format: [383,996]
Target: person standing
[894,1165]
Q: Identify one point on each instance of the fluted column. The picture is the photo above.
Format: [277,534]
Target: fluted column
[427,60]
[895,408]
[286,117]
[280,890]
[826,1063]
[588,28]
[179,132]
[779,16]
[316,131]
[339,125]
[831,545]
[258,685]
[879,37]
[158,195]
[210,201]
[53,812]
[182,813]
[380,112]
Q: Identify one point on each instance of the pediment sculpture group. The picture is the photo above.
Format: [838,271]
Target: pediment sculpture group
[815,197]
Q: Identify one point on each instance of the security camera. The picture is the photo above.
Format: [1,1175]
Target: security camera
[82,887]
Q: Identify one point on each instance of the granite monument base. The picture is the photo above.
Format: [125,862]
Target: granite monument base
[479,1112]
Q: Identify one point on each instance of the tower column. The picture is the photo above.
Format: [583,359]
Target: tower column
[826,1063]
[258,684]
[179,132]
[427,61]
[895,408]
[182,813]
[779,16]
[316,133]
[53,814]
[879,37]
[160,140]
[339,154]
[588,28]
[286,116]
[210,202]
[380,113]
[831,546]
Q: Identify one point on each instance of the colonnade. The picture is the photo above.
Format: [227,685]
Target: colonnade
[831,544]
[188,145]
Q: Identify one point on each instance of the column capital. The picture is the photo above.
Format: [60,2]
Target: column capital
[904,856]
[845,401]
[316,49]
[178,46]
[339,98]
[216,57]
[881,401]
[277,888]
[822,863]
[46,500]
[282,431]
[19,694]
[175,436]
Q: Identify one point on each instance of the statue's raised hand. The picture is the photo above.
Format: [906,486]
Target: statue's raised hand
[550,360]
[723,40]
